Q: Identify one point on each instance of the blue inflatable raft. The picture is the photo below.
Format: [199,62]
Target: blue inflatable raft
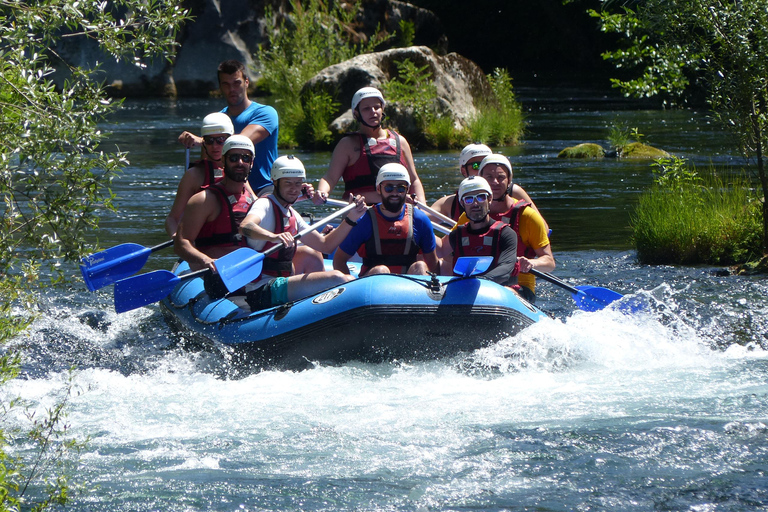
[374,318]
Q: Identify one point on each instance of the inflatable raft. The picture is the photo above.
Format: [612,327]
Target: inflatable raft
[374,318]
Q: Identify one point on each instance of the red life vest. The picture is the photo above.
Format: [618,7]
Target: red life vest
[456,209]
[512,217]
[210,177]
[391,242]
[224,230]
[360,177]
[280,263]
[465,243]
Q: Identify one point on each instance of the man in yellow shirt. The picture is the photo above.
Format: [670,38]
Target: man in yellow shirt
[532,239]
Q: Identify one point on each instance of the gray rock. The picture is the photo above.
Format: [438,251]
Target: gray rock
[459,83]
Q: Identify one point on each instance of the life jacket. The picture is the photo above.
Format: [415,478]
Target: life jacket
[360,177]
[210,176]
[224,230]
[391,242]
[280,263]
[456,209]
[465,243]
[512,217]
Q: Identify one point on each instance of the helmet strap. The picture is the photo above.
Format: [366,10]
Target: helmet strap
[279,196]
[359,119]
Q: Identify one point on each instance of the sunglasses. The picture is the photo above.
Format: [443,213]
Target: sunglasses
[236,157]
[480,198]
[401,189]
[474,165]
[218,140]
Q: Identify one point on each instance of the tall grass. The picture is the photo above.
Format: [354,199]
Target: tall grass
[688,218]
[500,120]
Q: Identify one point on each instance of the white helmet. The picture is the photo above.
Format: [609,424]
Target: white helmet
[497,159]
[288,166]
[393,171]
[367,92]
[471,151]
[218,122]
[473,185]
[238,142]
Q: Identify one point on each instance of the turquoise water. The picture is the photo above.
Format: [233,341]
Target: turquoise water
[666,409]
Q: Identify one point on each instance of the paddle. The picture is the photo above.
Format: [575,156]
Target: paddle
[105,267]
[587,298]
[236,269]
[471,265]
[443,218]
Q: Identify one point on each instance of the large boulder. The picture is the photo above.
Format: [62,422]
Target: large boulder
[459,83]
[224,30]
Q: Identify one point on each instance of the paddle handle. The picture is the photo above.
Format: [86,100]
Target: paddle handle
[554,280]
[443,218]
[318,224]
[436,227]
[161,246]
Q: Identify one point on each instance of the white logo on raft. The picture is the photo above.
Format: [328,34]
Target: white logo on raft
[328,296]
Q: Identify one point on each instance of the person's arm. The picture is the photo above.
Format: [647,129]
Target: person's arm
[255,132]
[543,262]
[189,140]
[340,259]
[327,243]
[251,228]
[201,208]
[433,263]
[416,186]
[505,264]
[189,185]
[442,205]
[340,160]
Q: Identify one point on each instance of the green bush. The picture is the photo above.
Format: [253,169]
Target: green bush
[500,120]
[686,218]
[313,37]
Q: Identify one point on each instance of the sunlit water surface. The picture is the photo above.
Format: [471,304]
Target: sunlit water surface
[665,409]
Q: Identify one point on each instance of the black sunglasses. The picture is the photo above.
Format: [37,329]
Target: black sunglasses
[218,140]
[474,165]
[236,157]
[401,189]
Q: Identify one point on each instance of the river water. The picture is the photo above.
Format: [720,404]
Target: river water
[665,409]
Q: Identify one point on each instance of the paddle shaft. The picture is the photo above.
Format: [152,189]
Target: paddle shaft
[436,227]
[554,280]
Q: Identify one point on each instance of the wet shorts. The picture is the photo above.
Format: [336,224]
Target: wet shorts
[273,293]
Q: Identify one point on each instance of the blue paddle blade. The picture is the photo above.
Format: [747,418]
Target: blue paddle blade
[594,298]
[144,289]
[240,267]
[108,266]
[471,265]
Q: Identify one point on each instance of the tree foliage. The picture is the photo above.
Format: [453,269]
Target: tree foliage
[54,177]
[716,46]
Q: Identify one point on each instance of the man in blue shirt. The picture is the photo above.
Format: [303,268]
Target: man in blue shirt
[256,121]
[392,234]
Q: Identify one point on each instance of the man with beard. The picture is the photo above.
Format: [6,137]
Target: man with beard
[209,226]
[271,221]
[532,239]
[483,236]
[359,156]
[256,121]
[392,234]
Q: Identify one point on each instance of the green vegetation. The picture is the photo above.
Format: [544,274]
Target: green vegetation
[688,218]
[54,183]
[714,47]
[500,120]
[311,38]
